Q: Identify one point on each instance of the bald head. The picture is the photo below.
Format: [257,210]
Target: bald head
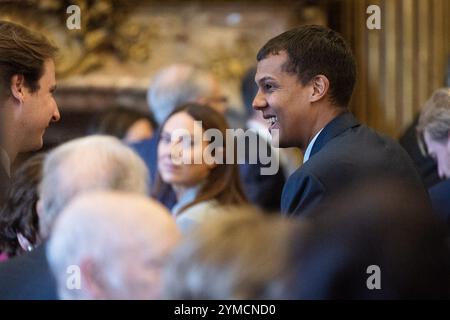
[119,241]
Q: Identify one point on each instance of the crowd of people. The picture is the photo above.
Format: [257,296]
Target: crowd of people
[136,209]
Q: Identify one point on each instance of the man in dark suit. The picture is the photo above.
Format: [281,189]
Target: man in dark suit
[434,127]
[27,83]
[306,78]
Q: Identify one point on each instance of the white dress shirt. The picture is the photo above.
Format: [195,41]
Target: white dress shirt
[310,146]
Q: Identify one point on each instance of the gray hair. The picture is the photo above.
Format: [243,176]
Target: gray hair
[124,238]
[86,164]
[241,254]
[435,116]
[176,85]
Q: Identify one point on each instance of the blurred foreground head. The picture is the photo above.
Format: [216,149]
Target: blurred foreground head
[380,235]
[117,242]
[84,165]
[241,254]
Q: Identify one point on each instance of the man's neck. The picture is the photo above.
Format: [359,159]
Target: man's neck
[8,126]
[325,116]
[9,148]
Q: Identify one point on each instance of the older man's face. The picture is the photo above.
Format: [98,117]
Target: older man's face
[440,152]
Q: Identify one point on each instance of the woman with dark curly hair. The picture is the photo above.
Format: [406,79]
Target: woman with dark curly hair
[19,222]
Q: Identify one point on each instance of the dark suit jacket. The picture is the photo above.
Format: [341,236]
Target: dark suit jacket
[346,153]
[27,277]
[440,200]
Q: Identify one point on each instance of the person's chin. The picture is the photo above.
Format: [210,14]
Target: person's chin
[285,143]
[37,145]
[277,138]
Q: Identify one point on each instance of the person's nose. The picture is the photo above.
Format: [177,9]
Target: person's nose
[259,102]
[176,149]
[56,115]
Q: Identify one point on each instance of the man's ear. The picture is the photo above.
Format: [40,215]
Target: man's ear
[18,87]
[89,280]
[320,85]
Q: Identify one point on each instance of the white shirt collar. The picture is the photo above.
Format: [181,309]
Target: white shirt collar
[310,146]
[5,161]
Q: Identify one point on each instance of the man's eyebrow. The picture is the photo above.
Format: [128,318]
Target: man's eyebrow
[263,79]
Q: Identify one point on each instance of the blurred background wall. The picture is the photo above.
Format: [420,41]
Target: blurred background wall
[121,44]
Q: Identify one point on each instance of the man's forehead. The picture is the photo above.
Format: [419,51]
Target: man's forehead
[49,68]
[271,66]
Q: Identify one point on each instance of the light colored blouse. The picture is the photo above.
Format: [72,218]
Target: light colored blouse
[193,216]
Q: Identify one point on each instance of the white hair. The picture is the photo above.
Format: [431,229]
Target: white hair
[86,164]
[176,85]
[125,239]
[435,115]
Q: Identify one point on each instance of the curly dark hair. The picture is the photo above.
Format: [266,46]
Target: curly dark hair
[18,214]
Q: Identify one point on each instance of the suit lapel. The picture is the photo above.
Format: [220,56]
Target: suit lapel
[334,128]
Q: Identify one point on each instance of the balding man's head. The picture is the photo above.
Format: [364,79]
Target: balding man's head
[119,243]
[84,165]
[178,84]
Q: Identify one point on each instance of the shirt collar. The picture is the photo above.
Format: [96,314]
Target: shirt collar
[310,146]
[188,196]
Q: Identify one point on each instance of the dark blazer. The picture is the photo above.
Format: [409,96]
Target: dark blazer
[440,200]
[344,154]
[27,277]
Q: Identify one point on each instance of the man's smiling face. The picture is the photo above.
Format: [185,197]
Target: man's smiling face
[284,101]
